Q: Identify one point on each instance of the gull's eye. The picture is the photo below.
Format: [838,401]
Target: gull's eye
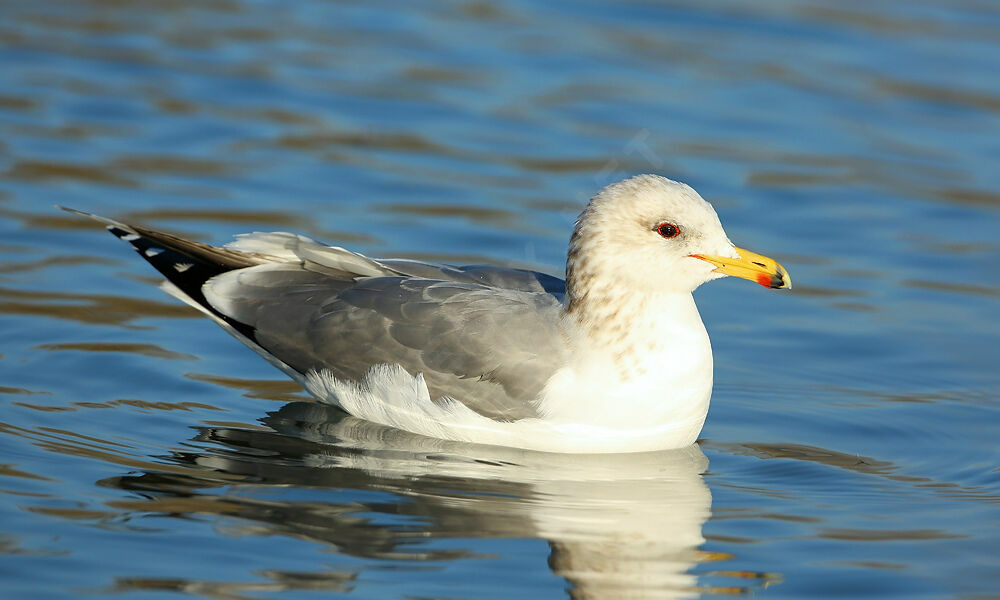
[668,230]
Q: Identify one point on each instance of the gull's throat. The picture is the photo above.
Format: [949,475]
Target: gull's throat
[608,320]
[636,360]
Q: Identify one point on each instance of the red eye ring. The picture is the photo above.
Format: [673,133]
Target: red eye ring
[668,230]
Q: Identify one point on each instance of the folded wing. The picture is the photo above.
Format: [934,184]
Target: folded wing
[492,349]
[485,336]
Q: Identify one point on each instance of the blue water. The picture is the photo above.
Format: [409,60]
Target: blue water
[851,449]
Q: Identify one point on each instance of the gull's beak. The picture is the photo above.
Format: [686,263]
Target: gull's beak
[750,265]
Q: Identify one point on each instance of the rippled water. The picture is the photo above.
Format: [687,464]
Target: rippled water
[851,450]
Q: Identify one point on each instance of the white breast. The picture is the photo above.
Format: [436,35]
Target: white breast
[654,376]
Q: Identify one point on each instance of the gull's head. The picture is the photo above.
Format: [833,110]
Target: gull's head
[649,233]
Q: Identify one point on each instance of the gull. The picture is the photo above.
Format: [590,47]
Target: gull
[613,359]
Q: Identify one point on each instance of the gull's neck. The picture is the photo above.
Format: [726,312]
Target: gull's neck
[637,334]
[614,319]
[639,358]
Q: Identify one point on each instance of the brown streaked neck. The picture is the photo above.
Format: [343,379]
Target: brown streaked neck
[626,326]
[602,308]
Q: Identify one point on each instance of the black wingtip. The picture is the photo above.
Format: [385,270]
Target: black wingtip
[187,271]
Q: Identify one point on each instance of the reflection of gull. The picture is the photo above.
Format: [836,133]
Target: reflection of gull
[619,526]
[614,360]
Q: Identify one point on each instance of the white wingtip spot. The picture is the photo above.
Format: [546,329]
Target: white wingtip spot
[181,267]
[131,237]
[151,252]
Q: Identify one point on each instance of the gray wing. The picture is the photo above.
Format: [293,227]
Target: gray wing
[483,335]
[490,348]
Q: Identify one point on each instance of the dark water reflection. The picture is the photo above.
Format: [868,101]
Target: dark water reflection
[851,447]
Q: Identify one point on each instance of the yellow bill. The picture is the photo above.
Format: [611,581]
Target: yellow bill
[750,265]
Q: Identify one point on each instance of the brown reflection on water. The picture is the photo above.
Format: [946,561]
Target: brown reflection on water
[406,142]
[832,458]
[8,470]
[45,172]
[19,103]
[175,165]
[939,245]
[151,350]
[72,514]
[89,308]
[52,261]
[895,23]
[867,397]
[939,94]
[68,130]
[955,288]
[12,546]
[163,101]
[560,165]
[279,390]
[273,217]
[839,298]
[786,178]
[122,171]
[19,391]
[146,406]
[828,292]
[476,214]
[55,219]
[440,74]
[887,535]
[280,581]
[971,197]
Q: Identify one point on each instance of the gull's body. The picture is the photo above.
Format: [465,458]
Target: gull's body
[616,359]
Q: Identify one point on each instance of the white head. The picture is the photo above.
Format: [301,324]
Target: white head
[649,234]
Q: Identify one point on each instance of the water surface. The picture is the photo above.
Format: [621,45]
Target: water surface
[851,447]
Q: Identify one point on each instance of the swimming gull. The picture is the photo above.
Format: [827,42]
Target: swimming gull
[614,359]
